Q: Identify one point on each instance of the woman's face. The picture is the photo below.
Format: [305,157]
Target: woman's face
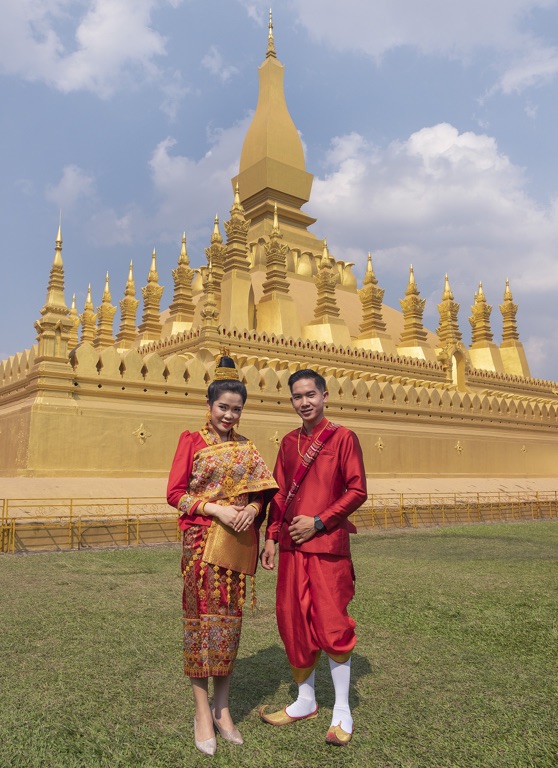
[225,413]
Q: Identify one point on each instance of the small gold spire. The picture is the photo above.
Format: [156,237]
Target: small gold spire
[480,294]
[448,330]
[369,276]
[153,276]
[216,237]
[447,294]
[106,292]
[507,293]
[183,257]
[270,41]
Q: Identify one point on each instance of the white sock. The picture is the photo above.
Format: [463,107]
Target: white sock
[306,701]
[341,676]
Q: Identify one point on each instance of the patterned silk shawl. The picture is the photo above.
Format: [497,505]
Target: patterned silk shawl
[225,473]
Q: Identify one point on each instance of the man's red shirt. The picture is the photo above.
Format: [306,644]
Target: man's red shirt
[334,487]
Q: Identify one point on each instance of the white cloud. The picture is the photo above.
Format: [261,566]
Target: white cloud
[442,200]
[74,185]
[188,188]
[213,62]
[107,47]
[438,27]
[538,67]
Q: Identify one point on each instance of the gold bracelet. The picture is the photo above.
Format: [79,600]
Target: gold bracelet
[201,508]
[256,506]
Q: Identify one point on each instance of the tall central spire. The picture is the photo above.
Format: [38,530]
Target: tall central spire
[272,166]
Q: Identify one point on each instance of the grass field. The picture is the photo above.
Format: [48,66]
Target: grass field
[456,663]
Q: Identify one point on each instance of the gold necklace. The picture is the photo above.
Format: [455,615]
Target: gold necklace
[317,438]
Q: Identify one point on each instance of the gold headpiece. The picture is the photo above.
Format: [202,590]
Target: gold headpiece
[226,368]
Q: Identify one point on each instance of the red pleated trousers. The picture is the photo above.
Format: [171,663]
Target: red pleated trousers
[313,592]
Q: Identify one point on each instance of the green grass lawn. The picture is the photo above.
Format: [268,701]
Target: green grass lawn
[456,663]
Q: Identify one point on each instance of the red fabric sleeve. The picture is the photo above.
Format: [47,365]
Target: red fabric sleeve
[351,467]
[179,477]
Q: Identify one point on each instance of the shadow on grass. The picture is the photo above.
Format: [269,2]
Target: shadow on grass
[258,678]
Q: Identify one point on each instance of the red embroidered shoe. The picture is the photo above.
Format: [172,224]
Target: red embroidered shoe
[282,718]
[337,736]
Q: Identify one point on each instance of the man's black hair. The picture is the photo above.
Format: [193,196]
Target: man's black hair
[216,389]
[307,373]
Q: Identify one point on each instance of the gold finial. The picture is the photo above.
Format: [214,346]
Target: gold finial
[447,294]
[183,258]
[507,292]
[73,307]
[275,219]
[153,276]
[369,276]
[88,299]
[216,237]
[480,293]
[270,41]
[59,234]
[106,292]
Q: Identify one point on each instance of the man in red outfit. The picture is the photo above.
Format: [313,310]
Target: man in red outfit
[321,478]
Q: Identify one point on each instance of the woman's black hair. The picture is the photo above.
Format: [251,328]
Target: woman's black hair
[216,389]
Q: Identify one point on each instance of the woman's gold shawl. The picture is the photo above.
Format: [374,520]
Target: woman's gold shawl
[226,473]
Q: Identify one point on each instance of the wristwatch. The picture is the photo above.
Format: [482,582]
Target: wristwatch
[318,523]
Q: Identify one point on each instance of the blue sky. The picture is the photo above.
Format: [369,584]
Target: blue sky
[430,128]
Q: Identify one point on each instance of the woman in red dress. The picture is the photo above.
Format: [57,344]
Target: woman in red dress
[218,482]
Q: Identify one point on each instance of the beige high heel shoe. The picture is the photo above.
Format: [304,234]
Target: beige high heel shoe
[207,746]
[233,736]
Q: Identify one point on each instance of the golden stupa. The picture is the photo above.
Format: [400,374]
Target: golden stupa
[87,401]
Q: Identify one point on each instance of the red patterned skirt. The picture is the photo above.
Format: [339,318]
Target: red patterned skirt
[212,602]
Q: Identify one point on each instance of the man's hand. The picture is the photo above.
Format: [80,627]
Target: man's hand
[267,556]
[302,529]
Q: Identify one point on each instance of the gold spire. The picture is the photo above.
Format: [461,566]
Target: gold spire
[126,335]
[270,41]
[182,307]
[88,319]
[369,276]
[54,327]
[509,312]
[209,312]
[480,320]
[412,305]
[216,234]
[105,318]
[73,339]
[371,298]
[236,257]
[272,157]
[276,261]
[448,330]
[447,294]
[150,328]
[326,305]
[215,255]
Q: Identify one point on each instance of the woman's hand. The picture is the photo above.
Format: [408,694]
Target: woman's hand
[245,518]
[225,514]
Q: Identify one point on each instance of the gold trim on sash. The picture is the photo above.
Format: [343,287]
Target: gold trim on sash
[231,549]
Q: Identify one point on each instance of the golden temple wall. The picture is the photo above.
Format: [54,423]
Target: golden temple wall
[120,414]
